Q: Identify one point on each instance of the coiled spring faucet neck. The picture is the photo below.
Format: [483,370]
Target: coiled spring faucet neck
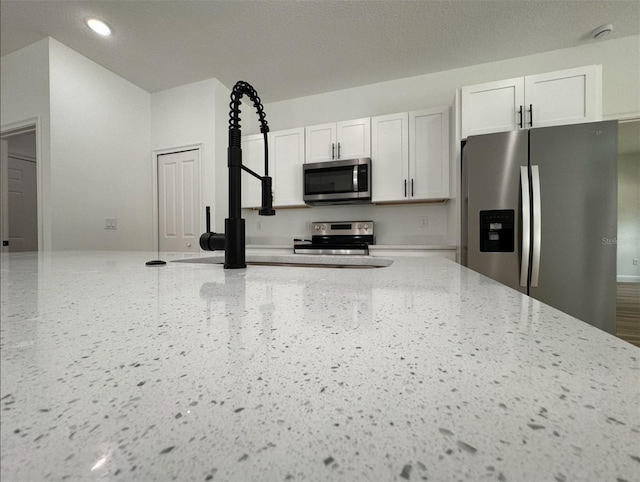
[233,241]
[243,88]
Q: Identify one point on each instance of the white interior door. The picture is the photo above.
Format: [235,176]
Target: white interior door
[23,206]
[179,201]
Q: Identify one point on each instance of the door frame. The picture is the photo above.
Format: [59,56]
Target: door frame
[155,191]
[32,124]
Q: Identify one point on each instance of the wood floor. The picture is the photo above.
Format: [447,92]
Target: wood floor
[628,312]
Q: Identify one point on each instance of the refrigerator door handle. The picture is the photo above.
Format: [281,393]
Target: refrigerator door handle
[526,225]
[537,227]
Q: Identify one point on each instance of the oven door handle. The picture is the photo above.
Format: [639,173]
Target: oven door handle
[355,178]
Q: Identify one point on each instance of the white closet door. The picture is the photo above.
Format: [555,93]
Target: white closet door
[179,201]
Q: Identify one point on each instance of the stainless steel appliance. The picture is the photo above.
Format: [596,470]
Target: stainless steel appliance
[540,215]
[337,182]
[341,237]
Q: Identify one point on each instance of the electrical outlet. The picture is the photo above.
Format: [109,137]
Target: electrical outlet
[635,261]
[424,222]
[307,225]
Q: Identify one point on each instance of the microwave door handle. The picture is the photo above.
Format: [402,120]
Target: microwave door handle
[355,178]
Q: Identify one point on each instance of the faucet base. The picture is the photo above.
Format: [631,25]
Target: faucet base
[234,252]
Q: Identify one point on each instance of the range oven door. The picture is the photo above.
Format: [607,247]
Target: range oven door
[337,182]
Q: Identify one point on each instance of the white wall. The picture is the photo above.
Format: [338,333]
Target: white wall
[394,224]
[24,82]
[93,146]
[100,166]
[185,116]
[620,59]
[194,114]
[220,207]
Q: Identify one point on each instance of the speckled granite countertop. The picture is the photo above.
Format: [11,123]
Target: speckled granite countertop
[422,370]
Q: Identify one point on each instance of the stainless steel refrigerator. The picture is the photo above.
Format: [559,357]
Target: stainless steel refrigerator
[540,215]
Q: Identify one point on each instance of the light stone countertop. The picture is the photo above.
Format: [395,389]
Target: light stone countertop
[422,370]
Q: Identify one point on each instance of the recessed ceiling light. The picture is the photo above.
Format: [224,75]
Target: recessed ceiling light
[602,31]
[98,26]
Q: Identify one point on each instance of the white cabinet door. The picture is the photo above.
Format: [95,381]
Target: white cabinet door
[389,157]
[286,155]
[410,156]
[353,139]
[429,154]
[253,158]
[320,143]
[563,97]
[335,141]
[566,97]
[492,107]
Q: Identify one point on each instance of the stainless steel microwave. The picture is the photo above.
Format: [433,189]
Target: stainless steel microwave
[337,182]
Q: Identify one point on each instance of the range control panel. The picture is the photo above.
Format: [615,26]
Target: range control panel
[497,231]
[342,228]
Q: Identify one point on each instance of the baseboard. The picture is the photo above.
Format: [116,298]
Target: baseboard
[628,279]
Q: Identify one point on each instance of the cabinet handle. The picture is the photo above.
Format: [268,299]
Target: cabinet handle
[405,188]
[411,187]
[333,151]
[531,115]
[520,113]
[338,150]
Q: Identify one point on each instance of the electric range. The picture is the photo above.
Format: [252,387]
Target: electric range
[336,238]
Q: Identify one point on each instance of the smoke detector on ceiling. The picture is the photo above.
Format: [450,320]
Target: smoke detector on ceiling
[602,31]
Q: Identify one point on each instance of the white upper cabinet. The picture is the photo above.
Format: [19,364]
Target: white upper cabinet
[429,154]
[564,97]
[286,155]
[410,156]
[389,157]
[567,97]
[253,158]
[353,139]
[320,143]
[341,140]
[492,107]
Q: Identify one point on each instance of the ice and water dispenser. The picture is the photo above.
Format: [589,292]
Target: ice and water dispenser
[497,231]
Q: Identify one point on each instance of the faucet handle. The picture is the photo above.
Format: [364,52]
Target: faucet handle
[211,241]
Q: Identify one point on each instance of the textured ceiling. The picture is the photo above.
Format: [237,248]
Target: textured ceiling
[294,48]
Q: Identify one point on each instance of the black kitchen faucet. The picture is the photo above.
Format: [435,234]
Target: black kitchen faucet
[233,240]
